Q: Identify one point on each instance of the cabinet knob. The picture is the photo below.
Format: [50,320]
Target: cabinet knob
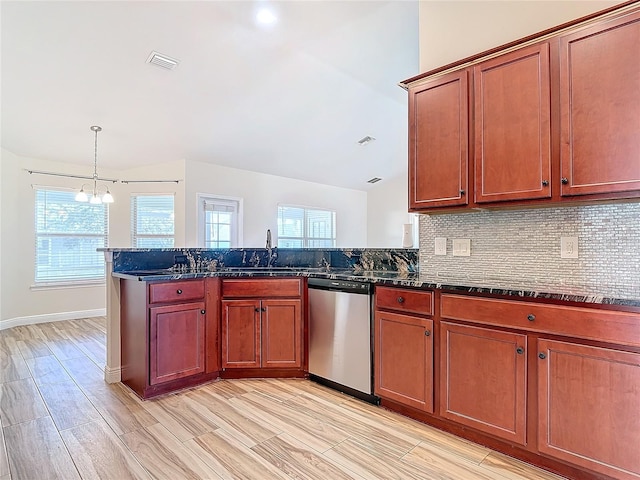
[427,333]
[462,192]
[179,291]
[545,183]
[564,180]
[262,309]
[531,317]
[400,299]
[257,309]
[203,312]
[519,350]
[542,356]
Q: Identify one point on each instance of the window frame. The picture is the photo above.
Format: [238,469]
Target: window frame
[237,202]
[305,238]
[66,280]
[133,223]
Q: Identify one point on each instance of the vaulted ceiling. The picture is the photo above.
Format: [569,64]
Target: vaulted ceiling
[290,98]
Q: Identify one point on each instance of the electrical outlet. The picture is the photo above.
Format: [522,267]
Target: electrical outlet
[441,246]
[461,247]
[568,247]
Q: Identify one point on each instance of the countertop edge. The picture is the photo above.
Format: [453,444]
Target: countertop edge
[391,278]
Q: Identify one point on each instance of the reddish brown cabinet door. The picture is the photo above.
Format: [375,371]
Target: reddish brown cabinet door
[589,407]
[177,342]
[438,142]
[512,126]
[240,333]
[483,380]
[281,333]
[600,108]
[404,359]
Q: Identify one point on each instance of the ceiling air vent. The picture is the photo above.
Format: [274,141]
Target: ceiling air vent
[163,61]
[374,180]
[364,140]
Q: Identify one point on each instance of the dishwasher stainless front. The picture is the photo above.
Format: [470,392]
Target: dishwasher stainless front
[340,336]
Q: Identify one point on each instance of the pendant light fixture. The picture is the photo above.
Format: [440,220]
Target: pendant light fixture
[95,198]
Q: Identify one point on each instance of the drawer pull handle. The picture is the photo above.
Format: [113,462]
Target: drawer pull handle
[531,317]
[542,356]
[179,291]
[519,350]
[203,312]
[427,333]
[400,300]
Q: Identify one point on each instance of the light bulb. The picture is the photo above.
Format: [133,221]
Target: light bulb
[107,197]
[81,196]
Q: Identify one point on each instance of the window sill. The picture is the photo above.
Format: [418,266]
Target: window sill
[68,284]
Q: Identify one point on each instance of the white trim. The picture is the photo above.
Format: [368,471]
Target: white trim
[112,375]
[51,317]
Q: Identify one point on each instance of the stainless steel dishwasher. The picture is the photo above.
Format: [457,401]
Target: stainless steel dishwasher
[340,336]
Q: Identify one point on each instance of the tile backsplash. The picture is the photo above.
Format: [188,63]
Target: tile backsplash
[521,248]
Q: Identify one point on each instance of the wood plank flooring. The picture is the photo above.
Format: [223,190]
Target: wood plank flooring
[61,420]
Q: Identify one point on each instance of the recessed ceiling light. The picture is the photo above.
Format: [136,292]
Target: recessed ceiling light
[266,17]
[364,140]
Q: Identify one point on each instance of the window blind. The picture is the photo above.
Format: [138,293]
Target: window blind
[67,236]
[152,221]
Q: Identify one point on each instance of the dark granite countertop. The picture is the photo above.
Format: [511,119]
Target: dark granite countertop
[382,277]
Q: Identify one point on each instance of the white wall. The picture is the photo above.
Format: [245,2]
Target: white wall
[261,194]
[21,303]
[451,31]
[387,206]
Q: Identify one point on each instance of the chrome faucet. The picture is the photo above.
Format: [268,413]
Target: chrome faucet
[268,247]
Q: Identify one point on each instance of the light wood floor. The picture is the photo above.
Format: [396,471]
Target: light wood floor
[61,420]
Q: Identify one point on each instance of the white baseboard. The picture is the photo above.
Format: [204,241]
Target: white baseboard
[52,317]
[112,375]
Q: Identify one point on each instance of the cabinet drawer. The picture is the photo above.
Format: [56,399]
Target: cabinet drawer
[404,300]
[602,325]
[176,291]
[264,287]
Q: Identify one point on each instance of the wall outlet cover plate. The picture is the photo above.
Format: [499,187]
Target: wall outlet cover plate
[461,247]
[568,247]
[441,246]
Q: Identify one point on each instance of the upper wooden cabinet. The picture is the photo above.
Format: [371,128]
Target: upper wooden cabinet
[600,107]
[547,121]
[438,142]
[512,126]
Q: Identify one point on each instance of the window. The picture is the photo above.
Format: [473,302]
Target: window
[68,234]
[219,221]
[152,221]
[300,227]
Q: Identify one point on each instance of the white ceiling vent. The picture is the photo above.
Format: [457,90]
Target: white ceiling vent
[162,61]
[365,140]
[374,180]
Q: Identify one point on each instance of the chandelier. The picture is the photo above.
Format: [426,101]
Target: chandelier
[96,196]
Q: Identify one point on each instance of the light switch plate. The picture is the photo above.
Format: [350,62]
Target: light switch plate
[441,246]
[461,247]
[568,247]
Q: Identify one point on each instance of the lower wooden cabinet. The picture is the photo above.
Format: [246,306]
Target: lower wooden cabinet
[483,379]
[589,407]
[262,323]
[262,333]
[404,359]
[176,341]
